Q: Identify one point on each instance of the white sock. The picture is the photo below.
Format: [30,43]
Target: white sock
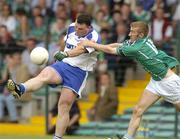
[127,136]
[56,137]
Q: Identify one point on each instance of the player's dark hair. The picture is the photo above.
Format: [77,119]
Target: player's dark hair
[84,19]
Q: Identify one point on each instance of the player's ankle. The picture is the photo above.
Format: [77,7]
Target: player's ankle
[127,136]
[57,137]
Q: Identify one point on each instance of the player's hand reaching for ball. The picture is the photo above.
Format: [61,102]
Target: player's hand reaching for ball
[59,55]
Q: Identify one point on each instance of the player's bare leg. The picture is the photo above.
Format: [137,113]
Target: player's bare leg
[66,100]
[47,76]
[177,106]
[146,100]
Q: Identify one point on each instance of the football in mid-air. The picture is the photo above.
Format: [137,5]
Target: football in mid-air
[39,56]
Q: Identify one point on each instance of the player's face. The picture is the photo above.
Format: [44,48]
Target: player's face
[81,29]
[133,34]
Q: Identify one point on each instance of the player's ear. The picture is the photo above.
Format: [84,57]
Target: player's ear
[141,35]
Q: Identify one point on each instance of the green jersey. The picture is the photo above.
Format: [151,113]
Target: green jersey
[154,61]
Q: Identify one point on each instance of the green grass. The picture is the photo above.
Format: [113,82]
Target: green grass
[50,137]
[45,137]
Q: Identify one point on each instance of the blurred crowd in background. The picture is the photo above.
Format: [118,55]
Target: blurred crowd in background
[26,24]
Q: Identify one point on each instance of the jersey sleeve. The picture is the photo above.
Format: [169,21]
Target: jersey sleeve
[70,29]
[94,36]
[128,49]
[119,50]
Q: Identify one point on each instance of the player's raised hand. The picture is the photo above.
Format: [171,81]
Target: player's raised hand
[59,55]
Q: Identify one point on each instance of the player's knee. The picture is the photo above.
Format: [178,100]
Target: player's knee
[64,105]
[138,111]
[44,76]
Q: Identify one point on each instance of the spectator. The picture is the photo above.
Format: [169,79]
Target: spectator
[80,8]
[61,12]
[161,27]
[147,4]
[12,69]
[59,8]
[99,21]
[35,11]
[22,28]
[107,102]
[140,14]
[74,119]
[58,46]
[20,5]
[116,6]
[34,3]
[5,36]
[119,64]
[6,99]
[126,13]
[1,5]
[7,42]
[6,39]
[57,29]
[105,8]
[33,69]
[38,29]
[120,33]
[162,31]
[117,17]
[45,8]
[176,16]
[69,8]
[102,62]
[7,19]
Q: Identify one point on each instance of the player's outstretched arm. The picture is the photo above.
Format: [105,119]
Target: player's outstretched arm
[59,55]
[109,48]
[76,51]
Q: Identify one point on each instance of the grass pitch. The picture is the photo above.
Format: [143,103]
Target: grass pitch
[50,137]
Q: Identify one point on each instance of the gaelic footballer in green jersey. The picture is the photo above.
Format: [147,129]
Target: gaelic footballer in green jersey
[164,82]
[154,61]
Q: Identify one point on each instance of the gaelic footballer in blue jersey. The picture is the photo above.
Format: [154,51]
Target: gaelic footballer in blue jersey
[70,70]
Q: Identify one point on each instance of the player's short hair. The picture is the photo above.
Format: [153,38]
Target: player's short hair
[142,27]
[84,19]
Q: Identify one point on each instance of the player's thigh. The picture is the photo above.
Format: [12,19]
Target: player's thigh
[146,100]
[67,98]
[50,76]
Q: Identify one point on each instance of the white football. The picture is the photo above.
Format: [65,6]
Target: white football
[39,56]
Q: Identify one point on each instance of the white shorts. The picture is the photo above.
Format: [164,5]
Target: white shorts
[168,88]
